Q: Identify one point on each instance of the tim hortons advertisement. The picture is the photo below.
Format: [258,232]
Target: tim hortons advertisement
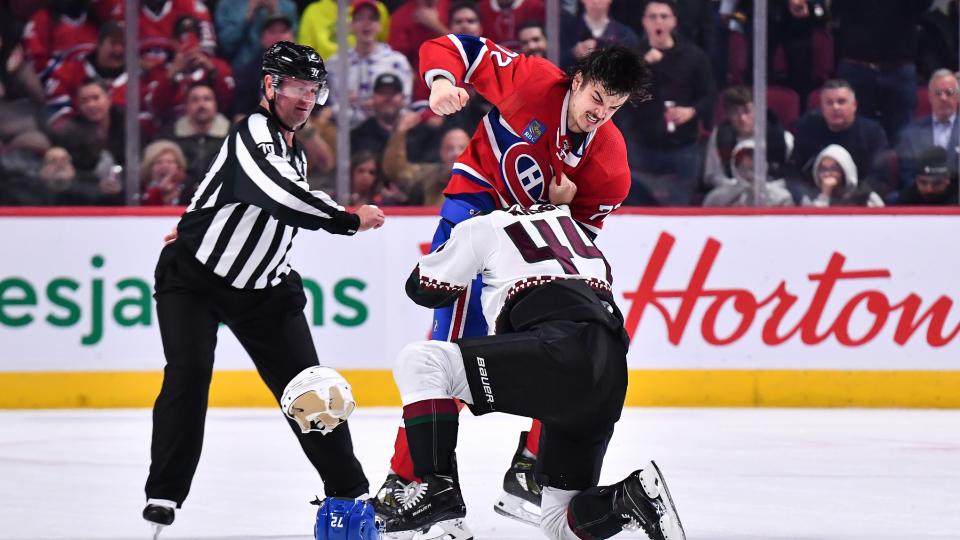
[851,292]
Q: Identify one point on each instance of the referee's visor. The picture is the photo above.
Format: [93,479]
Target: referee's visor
[300,89]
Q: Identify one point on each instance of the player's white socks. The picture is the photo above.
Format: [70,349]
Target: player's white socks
[431,370]
[553,513]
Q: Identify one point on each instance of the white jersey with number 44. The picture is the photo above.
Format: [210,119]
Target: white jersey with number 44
[514,249]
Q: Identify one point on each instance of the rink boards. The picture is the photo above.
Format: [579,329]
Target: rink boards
[729,308]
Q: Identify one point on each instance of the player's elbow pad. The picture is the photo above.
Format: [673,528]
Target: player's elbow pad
[432,299]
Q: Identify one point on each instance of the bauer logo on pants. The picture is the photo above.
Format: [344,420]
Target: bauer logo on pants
[485,379]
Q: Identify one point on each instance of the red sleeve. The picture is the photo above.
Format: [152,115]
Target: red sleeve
[36,40]
[494,71]
[400,31]
[603,183]
[108,10]
[223,84]
[61,84]
[160,91]
[208,36]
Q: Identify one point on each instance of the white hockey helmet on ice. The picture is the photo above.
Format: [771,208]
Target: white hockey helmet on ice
[318,399]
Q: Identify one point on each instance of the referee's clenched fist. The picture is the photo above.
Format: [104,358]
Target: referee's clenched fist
[371,217]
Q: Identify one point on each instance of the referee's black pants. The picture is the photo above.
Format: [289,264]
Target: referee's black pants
[191,303]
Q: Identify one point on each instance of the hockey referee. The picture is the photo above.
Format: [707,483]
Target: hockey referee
[227,262]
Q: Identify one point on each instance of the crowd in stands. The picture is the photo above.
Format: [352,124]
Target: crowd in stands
[862,99]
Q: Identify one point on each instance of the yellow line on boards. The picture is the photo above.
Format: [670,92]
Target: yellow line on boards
[648,388]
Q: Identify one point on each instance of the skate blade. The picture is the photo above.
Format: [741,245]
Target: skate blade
[451,529]
[399,535]
[516,508]
[670,522]
[156,530]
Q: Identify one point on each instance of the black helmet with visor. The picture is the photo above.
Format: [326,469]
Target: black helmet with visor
[291,60]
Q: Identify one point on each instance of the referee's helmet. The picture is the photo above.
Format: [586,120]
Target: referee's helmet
[286,59]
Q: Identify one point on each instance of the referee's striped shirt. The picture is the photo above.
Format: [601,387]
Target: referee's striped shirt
[251,203]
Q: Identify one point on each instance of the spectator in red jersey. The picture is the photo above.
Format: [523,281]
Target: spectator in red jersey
[192,64]
[162,174]
[105,64]
[411,25]
[501,18]
[464,18]
[157,21]
[62,31]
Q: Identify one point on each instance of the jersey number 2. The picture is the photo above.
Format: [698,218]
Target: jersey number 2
[554,250]
[502,56]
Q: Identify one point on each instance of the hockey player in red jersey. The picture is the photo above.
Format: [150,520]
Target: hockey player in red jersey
[547,139]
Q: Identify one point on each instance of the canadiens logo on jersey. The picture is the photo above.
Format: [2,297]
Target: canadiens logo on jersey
[524,175]
[534,131]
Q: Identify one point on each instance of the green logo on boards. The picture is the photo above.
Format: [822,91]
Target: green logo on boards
[128,302]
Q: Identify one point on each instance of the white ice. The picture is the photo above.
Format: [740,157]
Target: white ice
[735,474]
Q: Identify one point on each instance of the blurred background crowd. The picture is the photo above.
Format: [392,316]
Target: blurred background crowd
[862,96]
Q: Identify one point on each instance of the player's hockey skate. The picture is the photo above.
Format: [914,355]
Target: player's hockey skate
[521,495]
[389,499]
[432,510]
[159,513]
[390,496]
[644,501]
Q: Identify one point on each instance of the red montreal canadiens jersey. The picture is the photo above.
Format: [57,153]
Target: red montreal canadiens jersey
[156,30]
[514,249]
[47,40]
[520,143]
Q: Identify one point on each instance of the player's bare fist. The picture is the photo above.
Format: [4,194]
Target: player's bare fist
[562,192]
[445,98]
[371,217]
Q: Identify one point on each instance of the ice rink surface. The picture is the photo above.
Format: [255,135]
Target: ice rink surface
[735,474]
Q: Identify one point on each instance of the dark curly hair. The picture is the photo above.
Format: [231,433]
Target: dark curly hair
[619,70]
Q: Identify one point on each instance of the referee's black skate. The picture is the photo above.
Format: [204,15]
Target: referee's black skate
[433,508]
[639,501]
[521,495]
[159,513]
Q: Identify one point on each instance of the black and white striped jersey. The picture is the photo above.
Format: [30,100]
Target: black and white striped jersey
[251,203]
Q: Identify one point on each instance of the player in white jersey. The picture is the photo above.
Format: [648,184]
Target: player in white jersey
[557,353]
